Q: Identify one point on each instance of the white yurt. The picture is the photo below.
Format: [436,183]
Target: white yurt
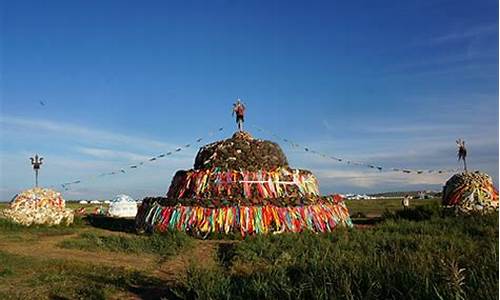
[122,206]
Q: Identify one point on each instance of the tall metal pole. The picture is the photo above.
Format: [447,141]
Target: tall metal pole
[36,162]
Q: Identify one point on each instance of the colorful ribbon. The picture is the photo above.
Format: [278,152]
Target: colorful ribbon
[247,220]
[280,182]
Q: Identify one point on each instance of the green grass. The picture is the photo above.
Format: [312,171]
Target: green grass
[28,278]
[435,258]
[165,244]
[7,225]
[421,253]
[10,231]
[89,208]
[379,206]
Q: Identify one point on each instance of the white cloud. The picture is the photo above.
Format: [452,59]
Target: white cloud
[77,132]
[152,178]
[365,179]
[413,129]
[77,157]
[112,154]
[473,32]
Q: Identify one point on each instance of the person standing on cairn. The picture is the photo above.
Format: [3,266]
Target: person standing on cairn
[462,152]
[239,109]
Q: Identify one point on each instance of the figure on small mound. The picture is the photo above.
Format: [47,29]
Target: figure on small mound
[470,191]
[239,109]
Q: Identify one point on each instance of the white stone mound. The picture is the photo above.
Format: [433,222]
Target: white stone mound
[122,206]
[39,206]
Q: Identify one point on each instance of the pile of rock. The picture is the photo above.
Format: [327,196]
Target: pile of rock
[241,151]
[39,206]
[242,185]
[471,191]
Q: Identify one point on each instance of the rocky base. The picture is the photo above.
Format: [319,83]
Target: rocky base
[223,202]
[246,220]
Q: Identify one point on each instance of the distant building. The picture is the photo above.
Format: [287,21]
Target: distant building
[83,202]
[95,202]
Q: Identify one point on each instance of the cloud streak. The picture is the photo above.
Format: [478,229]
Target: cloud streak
[112,154]
[478,31]
[67,162]
[77,132]
[371,180]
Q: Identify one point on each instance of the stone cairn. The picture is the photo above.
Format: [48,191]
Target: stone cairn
[39,206]
[470,191]
[242,185]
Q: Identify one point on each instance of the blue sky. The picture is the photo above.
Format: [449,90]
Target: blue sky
[393,83]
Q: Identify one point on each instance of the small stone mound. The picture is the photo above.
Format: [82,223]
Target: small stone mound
[122,206]
[241,151]
[471,191]
[39,206]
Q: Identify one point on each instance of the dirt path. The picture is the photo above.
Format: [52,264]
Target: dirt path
[202,253]
[171,269]
[46,247]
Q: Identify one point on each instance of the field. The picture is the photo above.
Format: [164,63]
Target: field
[421,253]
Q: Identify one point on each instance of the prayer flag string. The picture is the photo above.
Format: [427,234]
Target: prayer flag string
[352,162]
[67,185]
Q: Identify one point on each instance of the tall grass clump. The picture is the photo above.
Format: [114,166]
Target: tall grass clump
[419,254]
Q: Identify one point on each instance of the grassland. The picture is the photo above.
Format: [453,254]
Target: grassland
[422,253]
[375,208]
